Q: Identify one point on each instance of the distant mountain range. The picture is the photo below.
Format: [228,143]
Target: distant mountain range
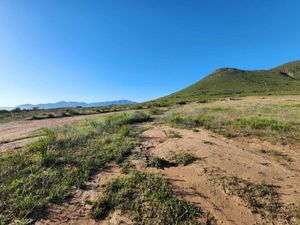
[63,104]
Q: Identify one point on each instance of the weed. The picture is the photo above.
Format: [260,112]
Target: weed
[277,155]
[147,198]
[155,111]
[262,198]
[262,123]
[159,163]
[173,134]
[184,158]
[46,170]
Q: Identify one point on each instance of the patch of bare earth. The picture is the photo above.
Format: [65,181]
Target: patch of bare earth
[77,211]
[9,132]
[249,159]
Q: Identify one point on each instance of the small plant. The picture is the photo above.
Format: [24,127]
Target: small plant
[263,123]
[184,158]
[262,198]
[208,143]
[173,134]
[51,115]
[155,111]
[159,163]
[278,155]
[147,198]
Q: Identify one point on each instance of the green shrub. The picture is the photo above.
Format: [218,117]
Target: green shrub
[155,111]
[159,163]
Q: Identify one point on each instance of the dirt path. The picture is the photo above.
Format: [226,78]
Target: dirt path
[241,157]
[247,158]
[17,134]
[77,211]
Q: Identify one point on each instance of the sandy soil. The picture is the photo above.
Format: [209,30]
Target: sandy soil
[246,157]
[241,157]
[11,131]
[77,210]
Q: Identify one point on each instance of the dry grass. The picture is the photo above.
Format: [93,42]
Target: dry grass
[273,118]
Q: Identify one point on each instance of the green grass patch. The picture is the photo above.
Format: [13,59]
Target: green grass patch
[65,158]
[189,122]
[160,163]
[183,158]
[147,198]
[263,123]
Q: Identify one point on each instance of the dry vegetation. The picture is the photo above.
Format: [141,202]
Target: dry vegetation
[272,118]
[224,162]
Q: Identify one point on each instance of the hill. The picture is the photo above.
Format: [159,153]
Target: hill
[63,104]
[232,82]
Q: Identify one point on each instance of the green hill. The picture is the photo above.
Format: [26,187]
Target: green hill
[231,82]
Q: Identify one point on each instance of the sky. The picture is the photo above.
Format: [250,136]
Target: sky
[85,50]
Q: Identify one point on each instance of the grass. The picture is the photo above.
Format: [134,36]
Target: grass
[183,158]
[279,156]
[47,170]
[263,199]
[147,198]
[263,123]
[273,118]
[160,163]
[39,114]
[173,134]
[33,135]
[234,83]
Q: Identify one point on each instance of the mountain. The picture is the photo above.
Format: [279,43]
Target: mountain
[63,104]
[227,82]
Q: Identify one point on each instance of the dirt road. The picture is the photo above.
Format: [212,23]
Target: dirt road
[17,134]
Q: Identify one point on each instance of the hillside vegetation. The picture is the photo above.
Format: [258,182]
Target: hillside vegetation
[231,82]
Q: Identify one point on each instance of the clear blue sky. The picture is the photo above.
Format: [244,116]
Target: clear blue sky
[87,50]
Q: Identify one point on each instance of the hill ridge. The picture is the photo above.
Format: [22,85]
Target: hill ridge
[234,82]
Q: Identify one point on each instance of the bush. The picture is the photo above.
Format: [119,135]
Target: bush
[159,163]
[155,111]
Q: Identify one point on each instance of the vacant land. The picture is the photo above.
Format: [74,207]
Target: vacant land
[225,162]
[19,133]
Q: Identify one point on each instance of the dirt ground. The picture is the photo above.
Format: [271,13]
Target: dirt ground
[245,157]
[77,210]
[194,182]
[241,157]
[14,135]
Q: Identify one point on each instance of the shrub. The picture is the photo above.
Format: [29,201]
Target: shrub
[159,163]
[155,111]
